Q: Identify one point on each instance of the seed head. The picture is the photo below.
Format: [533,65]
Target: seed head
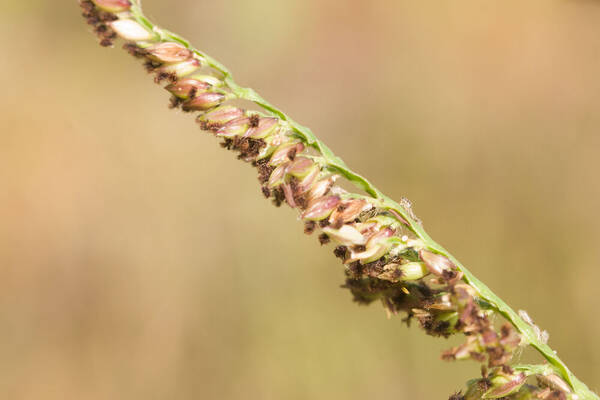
[381,262]
[277,177]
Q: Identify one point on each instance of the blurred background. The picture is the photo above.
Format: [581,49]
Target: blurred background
[138,260]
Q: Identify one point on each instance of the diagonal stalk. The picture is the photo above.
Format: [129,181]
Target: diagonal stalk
[333,163]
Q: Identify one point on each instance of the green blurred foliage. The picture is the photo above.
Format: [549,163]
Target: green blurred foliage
[139,261]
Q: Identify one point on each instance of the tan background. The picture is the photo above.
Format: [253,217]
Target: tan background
[139,261]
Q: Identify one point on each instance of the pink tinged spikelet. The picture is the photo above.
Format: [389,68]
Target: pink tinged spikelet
[129,29]
[168,52]
[289,195]
[277,177]
[347,235]
[271,144]
[348,211]
[439,265]
[186,88]
[377,246]
[236,127]
[554,382]
[285,153]
[301,167]
[399,217]
[443,302]
[321,208]
[504,385]
[307,181]
[380,236]
[208,79]
[321,188]
[113,6]
[181,69]
[265,127]
[222,115]
[203,102]
[371,254]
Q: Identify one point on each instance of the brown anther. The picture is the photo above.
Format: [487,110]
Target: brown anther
[278,196]
[309,227]
[108,17]
[266,191]
[226,143]
[457,396]
[324,239]
[174,102]
[86,5]
[254,120]
[264,171]
[355,269]
[134,50]
[477,356]
[341,252]
[151,66]
[165,76]
[106,42]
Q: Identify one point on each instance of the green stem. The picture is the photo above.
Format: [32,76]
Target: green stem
[335,163]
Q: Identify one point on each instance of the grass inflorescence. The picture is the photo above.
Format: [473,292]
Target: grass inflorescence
[387,256]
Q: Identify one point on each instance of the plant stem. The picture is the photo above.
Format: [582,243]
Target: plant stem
[334,163]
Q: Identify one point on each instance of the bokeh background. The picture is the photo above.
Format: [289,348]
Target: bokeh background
[138,260]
